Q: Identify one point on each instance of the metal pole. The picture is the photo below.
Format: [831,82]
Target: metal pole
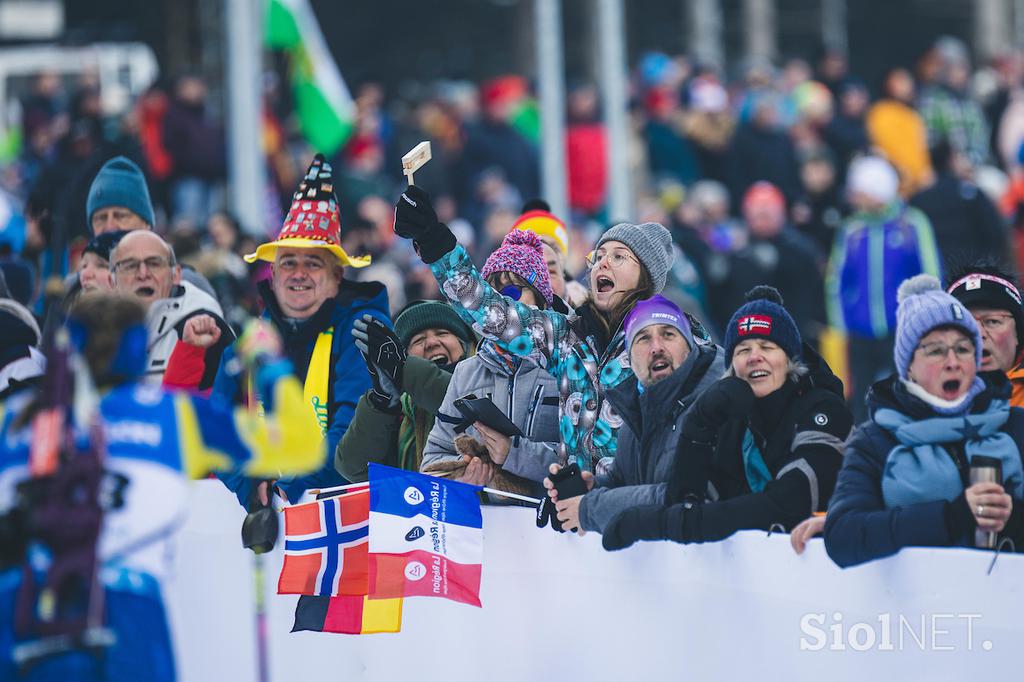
[551,81]
[992,27]
[833,24]
[1018,23]
[706,31]
[611,32]
[759,28]
[246,172]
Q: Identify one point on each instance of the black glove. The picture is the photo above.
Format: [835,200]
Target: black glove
[385,359]
[260,527]
[415,219]
[639,523]
[546,514]
[679,523]
[728,398]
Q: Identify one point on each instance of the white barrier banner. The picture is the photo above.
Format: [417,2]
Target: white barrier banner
[559,607]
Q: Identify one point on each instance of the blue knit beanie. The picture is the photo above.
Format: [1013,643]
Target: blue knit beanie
[763,317]
[20,277]
[103,244]
[924,306]
[120,183]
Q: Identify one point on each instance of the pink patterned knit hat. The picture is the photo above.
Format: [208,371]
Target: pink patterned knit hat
[522,254]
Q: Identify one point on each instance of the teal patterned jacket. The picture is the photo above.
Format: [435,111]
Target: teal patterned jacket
[589,425]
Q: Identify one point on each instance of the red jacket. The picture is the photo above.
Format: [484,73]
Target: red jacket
[588,170]
[185,367]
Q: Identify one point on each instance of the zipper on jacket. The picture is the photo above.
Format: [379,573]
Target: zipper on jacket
[511,393]
[532,413]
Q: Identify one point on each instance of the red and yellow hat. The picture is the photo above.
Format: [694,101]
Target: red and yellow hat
[545,226]
[313,221]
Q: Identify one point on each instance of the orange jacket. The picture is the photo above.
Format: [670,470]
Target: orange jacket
[1016,376]
[899,132]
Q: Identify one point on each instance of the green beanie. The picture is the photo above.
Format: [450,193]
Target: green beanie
[420,315]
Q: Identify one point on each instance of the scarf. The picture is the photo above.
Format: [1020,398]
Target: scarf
[919,469]
[412,434]
[945,407]
[317,385]
[753,464]
[765,417]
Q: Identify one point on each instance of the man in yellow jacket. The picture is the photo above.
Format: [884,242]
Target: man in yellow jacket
[898,131]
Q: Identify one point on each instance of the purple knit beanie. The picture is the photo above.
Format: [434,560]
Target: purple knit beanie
[657,310]
[522,254]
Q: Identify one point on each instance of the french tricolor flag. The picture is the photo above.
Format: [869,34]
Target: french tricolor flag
[426,537]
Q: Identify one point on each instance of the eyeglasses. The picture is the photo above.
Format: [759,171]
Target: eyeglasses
[994,323]
[130,266]
[616,259]
[937,352]
[513,291]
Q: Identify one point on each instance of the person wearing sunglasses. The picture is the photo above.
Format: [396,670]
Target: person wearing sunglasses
[905,479]
[585,351]
[517,384]
[990,293]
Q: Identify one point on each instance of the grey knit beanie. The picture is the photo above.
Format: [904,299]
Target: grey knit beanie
[923,306]
[651,243]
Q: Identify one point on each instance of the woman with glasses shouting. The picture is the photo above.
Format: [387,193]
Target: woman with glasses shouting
[909,471]
[585,351]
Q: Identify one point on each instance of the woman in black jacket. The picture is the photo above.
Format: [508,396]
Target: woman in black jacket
[759,448]
[905,480]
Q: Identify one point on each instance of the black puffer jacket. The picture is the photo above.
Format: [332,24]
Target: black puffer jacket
[799,429]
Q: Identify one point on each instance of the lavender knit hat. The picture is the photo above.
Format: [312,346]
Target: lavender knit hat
[923,306]
[522,254]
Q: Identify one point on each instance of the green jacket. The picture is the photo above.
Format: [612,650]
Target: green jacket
[395,439]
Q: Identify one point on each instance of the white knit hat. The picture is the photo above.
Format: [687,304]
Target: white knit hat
[874,177]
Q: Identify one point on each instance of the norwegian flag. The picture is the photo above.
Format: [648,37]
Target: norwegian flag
[325,546]
[755,324]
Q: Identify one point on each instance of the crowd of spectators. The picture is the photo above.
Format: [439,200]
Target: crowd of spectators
[766,341]
[698,144]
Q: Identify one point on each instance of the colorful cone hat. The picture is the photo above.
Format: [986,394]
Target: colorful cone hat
[313,221]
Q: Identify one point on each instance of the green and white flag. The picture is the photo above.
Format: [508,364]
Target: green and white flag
[322,100]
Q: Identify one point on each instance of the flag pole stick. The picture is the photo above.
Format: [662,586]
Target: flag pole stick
[514,496]
[491,491]
[337,488]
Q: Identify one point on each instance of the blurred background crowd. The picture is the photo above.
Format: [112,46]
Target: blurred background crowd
[748,164]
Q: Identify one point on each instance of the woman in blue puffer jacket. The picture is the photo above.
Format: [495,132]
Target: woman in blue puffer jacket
[905,479]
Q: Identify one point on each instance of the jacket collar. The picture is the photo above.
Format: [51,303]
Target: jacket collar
[891,393]
[496,360]
[671,391]
[348,293]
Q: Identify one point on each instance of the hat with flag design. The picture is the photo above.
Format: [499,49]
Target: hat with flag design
[313,221]
[547,227]
[763,317]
